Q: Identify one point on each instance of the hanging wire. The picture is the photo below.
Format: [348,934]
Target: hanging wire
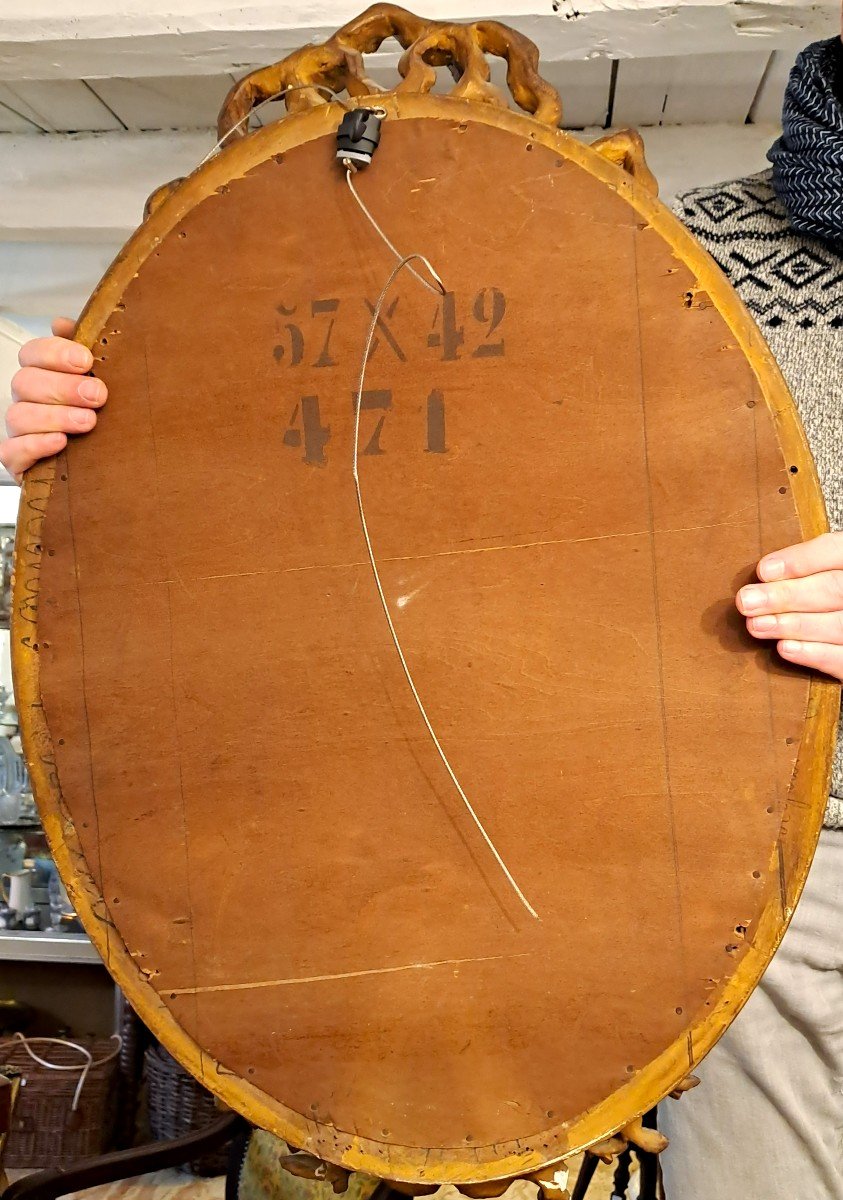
[439,288]
[294,87]
[351,169]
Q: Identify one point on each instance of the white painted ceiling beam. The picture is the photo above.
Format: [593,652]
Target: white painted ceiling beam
[93,39]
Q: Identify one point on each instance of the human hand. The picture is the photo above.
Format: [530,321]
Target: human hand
[52,396]
[799,602]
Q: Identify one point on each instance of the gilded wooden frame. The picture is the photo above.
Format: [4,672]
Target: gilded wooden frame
[809,789]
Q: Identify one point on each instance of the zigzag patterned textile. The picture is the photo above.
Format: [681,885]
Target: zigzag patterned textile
[808,158]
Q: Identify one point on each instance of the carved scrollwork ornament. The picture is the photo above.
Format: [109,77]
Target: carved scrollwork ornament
[338,64]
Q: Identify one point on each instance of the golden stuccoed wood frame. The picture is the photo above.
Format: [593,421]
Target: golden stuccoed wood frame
[338,65]
[307,76]
[619,165]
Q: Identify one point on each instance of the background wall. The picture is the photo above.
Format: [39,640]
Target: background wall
[100,101]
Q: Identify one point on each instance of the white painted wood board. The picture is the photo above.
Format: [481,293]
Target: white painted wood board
[767,105]
[696,89]
[189,102]
[59,105]
[12,117]
[86,39]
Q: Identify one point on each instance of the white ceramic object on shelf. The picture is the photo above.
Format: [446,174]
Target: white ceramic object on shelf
[17,890]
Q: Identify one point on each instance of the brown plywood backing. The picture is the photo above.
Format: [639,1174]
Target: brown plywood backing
[569,464]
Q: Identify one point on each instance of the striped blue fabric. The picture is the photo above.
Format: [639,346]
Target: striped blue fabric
[808,158]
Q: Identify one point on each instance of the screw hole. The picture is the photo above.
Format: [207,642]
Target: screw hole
[794,470]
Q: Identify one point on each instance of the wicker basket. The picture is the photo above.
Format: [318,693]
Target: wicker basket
[46,1130]
[179,1105]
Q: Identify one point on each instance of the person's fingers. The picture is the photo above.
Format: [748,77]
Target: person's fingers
[24,418]
[823,553]
[799,626]
[816,593]
[63,327]
[817,655]
[39,386]
[56,354]
[17,454]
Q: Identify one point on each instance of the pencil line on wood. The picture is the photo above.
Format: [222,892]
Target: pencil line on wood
[297,979]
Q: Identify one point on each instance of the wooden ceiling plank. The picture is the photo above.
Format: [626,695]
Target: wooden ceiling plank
[61,105]
[711,88]
[767,104]
[673,91]
[12,122]
[15,115]
[584,88]
[172,102]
